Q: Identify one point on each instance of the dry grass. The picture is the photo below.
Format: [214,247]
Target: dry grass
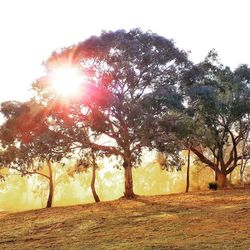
[205,220]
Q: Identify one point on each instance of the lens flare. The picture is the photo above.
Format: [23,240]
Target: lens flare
[66,81]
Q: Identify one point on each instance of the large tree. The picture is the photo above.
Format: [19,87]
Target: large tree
[218,101]
[130,78]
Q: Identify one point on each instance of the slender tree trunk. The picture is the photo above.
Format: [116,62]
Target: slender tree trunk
[243,163]
[188,169]
[242,170]
[230,178]
[95,195]
[215,176]
[129,193]
[51,186]
[242,176]
[221,179]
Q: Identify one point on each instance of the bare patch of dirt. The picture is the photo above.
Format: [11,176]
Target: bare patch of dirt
[200,220]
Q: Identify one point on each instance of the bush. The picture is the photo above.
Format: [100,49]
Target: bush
[213,185]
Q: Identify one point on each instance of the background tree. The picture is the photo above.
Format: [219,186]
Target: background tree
[41,185]
[126,74]
[88,160]
[218,104]
[30,142]
[245,150]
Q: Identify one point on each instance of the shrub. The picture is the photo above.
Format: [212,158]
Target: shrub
[212,185]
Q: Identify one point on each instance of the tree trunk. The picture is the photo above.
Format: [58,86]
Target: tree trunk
[51,186]
[230,178]
[95,195]
[241,178]
[242,170]
[188,168]
[129,193]
[221,179]
[243,163]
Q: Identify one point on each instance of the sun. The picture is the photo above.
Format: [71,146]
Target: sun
[66,81]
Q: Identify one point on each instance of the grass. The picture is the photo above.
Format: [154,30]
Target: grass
[204,220]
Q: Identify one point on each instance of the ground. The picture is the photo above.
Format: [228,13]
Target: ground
[204,220]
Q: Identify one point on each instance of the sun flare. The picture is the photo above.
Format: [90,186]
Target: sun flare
[66,81]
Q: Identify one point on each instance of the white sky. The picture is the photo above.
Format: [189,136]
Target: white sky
[31,29]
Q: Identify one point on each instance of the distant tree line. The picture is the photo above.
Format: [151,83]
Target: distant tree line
[139,92]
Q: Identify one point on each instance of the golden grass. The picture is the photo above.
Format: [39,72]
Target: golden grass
[204,220]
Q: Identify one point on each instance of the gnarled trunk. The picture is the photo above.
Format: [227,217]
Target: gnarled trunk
[51,186]
[221,179]
[129,193]
[95,195]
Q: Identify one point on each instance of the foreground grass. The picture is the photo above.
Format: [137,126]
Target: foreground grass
[207,220]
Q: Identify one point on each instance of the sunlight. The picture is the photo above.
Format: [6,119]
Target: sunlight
[66,81]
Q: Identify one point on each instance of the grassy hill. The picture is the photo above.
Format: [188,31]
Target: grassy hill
[205,220]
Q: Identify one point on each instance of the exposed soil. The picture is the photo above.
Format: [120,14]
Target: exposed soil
[204,220]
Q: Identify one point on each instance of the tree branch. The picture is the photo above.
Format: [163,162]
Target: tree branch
[204,159]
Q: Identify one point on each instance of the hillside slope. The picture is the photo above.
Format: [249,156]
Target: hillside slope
[207,220]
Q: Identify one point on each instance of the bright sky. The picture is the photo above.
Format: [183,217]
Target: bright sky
[32,29]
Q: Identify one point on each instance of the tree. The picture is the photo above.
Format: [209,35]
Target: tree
[130,78]
[245,150]
[87,160]
[41,186]
[30,142]
[218,104]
